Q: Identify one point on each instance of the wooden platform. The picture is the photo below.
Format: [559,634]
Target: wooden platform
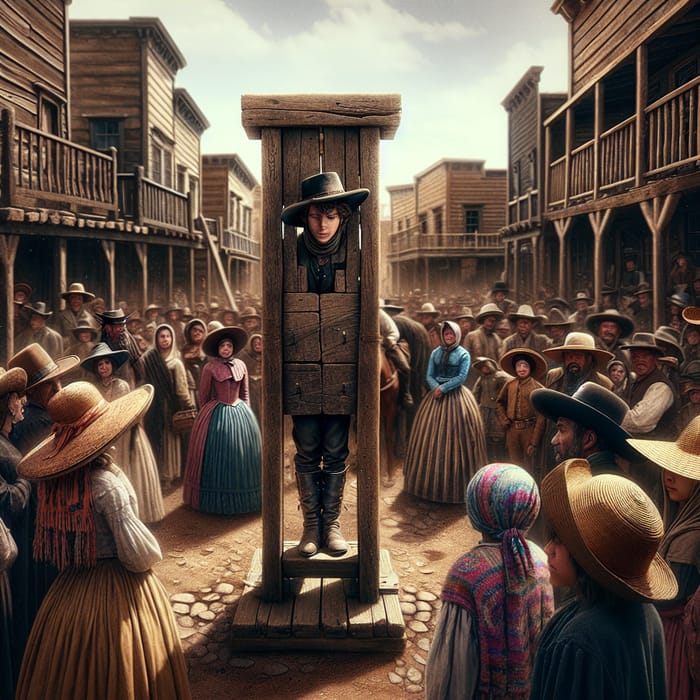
[320,610]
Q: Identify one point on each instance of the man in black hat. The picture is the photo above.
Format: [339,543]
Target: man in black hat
[498,296]
[610,329]
[116,335]
[39,332]
[643,308]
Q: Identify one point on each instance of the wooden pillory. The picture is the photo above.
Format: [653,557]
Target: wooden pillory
[349,602]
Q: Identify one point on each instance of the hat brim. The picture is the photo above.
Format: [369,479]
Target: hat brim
[554,404]
[291,215]
[507,363]
[691,314]
[87,296]
[40,463]
[557,489]
[626,324]
[210,344]
[117,357]
[669,456]
[13,380]
[63,365]
[113,320]
[393,307]
[481,316]
[601,357]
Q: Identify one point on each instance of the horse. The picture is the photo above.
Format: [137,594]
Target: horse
[388,411]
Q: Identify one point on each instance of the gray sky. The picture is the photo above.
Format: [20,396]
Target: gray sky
[452,61]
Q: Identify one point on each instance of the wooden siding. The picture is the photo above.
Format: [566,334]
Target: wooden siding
[160,83]
[431,192]
[522,142]
[487,192]
[215,192]
[32,50]
[187,149]
[604,33]
[402,207]
[106,82]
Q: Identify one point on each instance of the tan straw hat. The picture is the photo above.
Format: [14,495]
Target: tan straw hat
[12,380]
[39,365]
[579,341]
[681,457]
[85,424]
[611,528]
[538,365]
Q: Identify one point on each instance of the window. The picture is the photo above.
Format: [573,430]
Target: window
[50,110]
[423,223]
[105,132]
[194,189]
[437,220]
[181,185]
[161,165]
[471,219]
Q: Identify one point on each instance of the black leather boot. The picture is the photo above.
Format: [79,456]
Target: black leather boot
[309,486]
[331,501]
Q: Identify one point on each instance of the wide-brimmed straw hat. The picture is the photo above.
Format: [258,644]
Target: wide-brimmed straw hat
[538,365]
[428,309]
[625,323]
[85,424]
[40,366]
[681,457]
[102,351]
[249,312]
[78,288]
[236,334]
[578,341]
[489,309]
[323,187]
[582,295]
[12,380]
[691,314]
[611,528]
[591,406]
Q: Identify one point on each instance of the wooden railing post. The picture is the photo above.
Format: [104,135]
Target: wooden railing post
[7,184]
[190,212]
[114,183]
[138,194]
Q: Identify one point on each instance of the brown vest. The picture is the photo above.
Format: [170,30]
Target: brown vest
[665,427]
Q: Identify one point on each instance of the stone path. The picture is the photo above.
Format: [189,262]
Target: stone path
[204,616]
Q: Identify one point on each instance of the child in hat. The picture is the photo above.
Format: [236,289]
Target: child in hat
[607,642]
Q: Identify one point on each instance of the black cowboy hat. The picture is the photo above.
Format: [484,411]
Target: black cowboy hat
[592,406]
[625,322]
[556,318]
[322,187]
[643,341]
[236,334]
[102,351]
[112,317]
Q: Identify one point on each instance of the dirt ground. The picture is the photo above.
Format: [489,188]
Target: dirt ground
[201,551]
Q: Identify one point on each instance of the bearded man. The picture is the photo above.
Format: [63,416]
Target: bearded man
[115,334]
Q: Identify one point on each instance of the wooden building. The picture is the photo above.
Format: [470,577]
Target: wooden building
[231,207]
[445,229]
[526,268]
[622,152]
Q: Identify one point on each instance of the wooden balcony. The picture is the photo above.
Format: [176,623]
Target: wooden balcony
[661,141]
[150,204]
[40,170]
[233,242]
[412,244]
[523,211]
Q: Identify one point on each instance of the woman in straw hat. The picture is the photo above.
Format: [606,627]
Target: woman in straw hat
[496,598]
[680,547]
[607,642]
[105,628]
[164,369]
[14,498]
[223,469]
[447,443]
[133,451]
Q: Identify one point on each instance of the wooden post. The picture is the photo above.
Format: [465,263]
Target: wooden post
[138,194]
[62,246]
[599,221]
[641,119]
[114,184]
[8,141]
[108,248]
[562,227]
[302,134]
[142,253]
[8,253]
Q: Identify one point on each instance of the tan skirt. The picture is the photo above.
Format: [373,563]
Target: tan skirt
[446,447]
[104,632]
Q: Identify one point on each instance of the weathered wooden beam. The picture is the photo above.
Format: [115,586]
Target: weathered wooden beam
[314,110]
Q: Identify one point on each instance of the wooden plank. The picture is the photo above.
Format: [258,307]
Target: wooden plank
[334,618]
[368,376]
[272,423]
[307,608]
[373,110]
[246,615]
[291,149]
[380,626]
[321,565]
[339,327]
[339,383]
[354,180]
[346,645]
[302,341]
[302,388]
[388,578]
[301,302]
[360,624]
[396,626]
[280,620]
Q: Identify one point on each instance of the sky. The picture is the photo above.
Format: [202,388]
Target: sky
[452,61]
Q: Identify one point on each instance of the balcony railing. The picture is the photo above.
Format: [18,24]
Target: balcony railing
[38,169]
[672,141]
[412,242]
[238,243]
[151,204]
[524,209]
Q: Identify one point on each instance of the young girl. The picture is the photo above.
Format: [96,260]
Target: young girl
[619,376]
[447,444]
[680,547]
[133,451]
[222,473]
[496,597]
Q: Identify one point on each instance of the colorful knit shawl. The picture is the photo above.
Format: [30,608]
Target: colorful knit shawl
[504,585]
